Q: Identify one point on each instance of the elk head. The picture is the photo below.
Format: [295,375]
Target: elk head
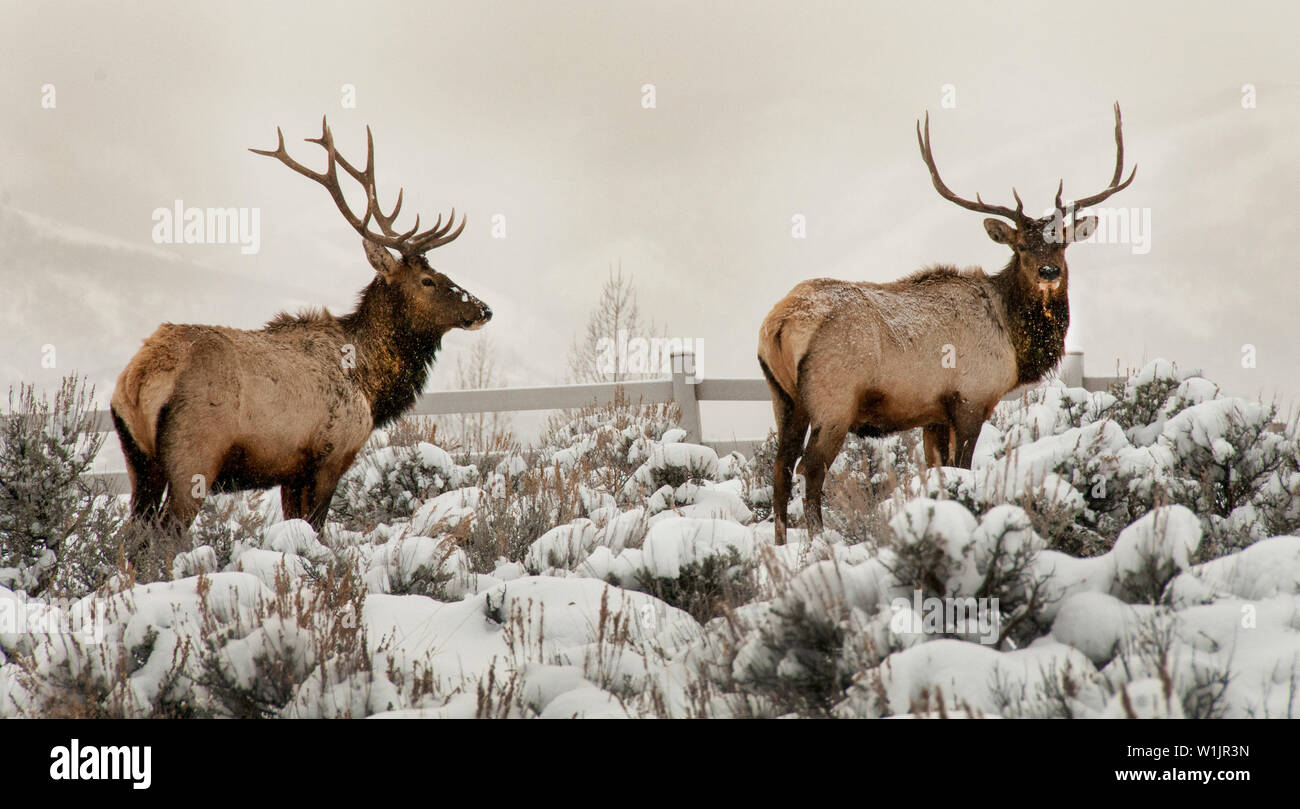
[1038,244]
[430,303]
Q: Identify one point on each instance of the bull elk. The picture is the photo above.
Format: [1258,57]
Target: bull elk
[210,408]
[844,356]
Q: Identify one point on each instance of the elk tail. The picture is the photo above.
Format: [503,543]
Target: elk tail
[776,358]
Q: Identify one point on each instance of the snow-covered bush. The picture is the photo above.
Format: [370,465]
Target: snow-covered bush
[228,520]
[57,527]
[609,442]
[1122,553]
[1236,471]
[389,482]
[701,566]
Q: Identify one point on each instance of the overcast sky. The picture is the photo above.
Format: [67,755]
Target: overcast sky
[763,111]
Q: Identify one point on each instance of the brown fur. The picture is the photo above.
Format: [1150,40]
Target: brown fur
[210,408]
[869,358]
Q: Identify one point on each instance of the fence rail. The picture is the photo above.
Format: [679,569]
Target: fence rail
[682,388]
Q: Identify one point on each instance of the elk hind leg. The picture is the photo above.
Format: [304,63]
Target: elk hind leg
[823,445]
[148,480]
[192,465]
[789,446]
[791,426]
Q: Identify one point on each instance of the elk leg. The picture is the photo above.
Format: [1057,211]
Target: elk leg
[967,432]
[186,492]
[936,440]
[823,445]
[322,497]
[791,425]
[965,420]
[191,471]
[148,483]
[292,497]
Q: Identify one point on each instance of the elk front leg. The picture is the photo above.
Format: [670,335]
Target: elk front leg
[966,419]
[967,433]
[322,496]
[936,438]
[293,498]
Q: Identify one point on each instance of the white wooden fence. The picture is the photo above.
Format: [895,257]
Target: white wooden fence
[683,388]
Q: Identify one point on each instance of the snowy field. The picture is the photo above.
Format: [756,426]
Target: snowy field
[1119,555]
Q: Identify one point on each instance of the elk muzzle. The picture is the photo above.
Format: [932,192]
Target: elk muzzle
[484,315]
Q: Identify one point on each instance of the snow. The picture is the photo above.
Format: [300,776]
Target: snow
[562,547]
[679,541]
[1095,624]
[299,538]
[691,460]
[1165,537]
[1125,586]
[446,511]
[968,676]
[1266,569]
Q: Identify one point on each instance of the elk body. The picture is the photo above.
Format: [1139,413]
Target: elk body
[210,408]
[936,350]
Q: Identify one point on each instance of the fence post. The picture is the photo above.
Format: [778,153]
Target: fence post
[1072,369]
[684,394]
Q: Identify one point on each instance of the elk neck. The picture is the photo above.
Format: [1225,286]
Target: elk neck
[392,360]
[1036,325]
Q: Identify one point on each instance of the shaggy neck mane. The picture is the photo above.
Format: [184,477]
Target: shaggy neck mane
[392,361]
[1037,329]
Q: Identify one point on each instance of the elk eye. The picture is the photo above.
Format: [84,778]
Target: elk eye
[428,282]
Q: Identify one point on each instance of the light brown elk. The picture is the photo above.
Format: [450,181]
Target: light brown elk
[936,350]
[210,408]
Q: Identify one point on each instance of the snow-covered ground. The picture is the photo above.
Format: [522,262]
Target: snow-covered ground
[1130,555]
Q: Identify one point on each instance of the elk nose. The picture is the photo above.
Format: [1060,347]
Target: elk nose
[1049,272]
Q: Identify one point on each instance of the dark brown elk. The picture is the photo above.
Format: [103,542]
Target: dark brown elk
[936,350]
[210,408]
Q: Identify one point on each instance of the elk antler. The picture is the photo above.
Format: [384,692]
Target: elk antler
[1115,184]
[1017,216]
[408,243]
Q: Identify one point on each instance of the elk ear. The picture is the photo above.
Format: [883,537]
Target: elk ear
[1081,230]
[1001,232]
[379,257]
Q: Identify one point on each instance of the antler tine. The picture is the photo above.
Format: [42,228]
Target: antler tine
[329,179]
[404,241]
[281,154]
[1115,184]
[451,220]
[408,234]
[979,205]
[367,180]
[386,220]
[1119,146]
[437,238]
[409,243]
